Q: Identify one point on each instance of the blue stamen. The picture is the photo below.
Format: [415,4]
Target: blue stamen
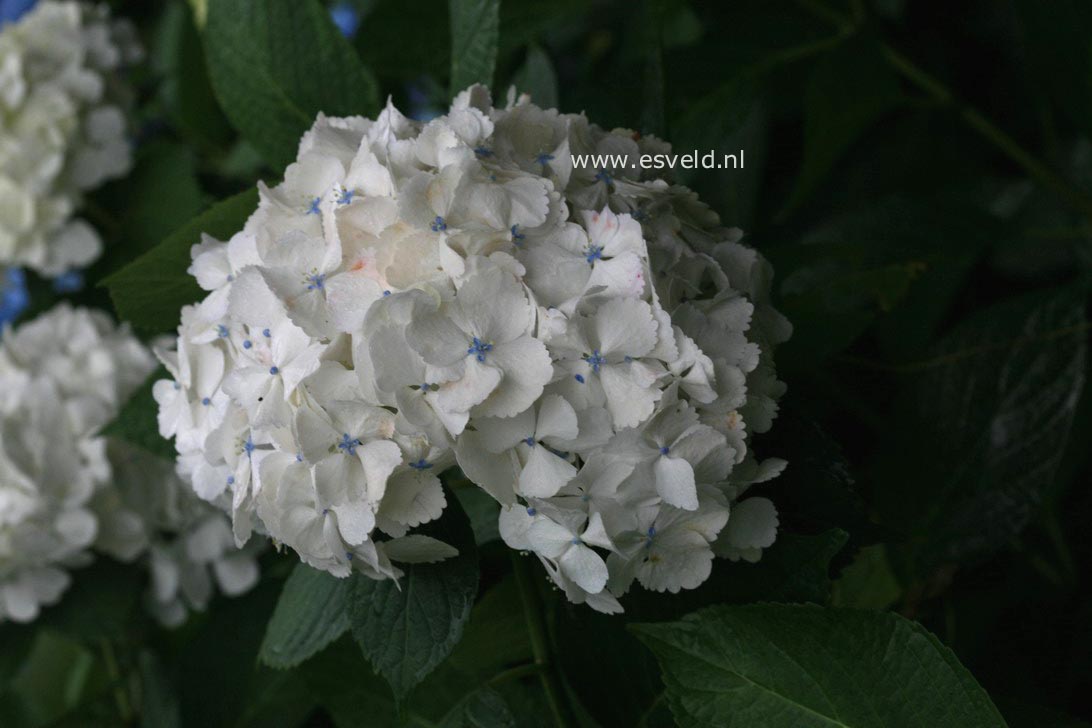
[531,511]
[517,236]
[231,480]
[386,293]
[483,151]
[274,370]
[346,197]
[479,349]
[595,360]
[593,253]
[247,343]
[665,450]
[579,378]
[529,441]
[544,158]
[349,445]
[421,464]
[222,330]
[575,541]
[206,401]
[230,278]
[317,281]
[438,225]
[314,208]
[604,177]
[265,333]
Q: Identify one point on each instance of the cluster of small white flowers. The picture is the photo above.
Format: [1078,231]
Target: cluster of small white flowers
[585,344]
[61,130]
[66,492]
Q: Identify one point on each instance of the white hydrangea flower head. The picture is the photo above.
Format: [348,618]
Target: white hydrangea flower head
[62,378]
[591,347]
[62,129]
[67,492]
[185,543]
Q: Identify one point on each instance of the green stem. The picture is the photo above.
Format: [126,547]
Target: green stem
[540,644]
[974,119]
[121,695]
[515,673]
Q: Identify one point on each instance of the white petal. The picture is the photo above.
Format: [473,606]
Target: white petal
[675,482]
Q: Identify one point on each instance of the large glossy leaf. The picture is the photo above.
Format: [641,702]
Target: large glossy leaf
[991,409]
[311,613]
[800,666]
[615,676]
[407,629]
[475,27]
[276,65]
[150,291]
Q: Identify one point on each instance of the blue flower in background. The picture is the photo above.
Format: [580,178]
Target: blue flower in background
[14,297]
[68,282]
[12,10]
[421,107]
[346,17]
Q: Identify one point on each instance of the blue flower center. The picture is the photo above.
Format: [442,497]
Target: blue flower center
[349,444]
[274,371]
[438,225]
[314,208]
[604,177]
[483,151]
[248,446]
[544,158]
[595,360]
[593,253]
[517,236]
[421,464]
[479,349]
[316,281]
[345,197]
[530,441]
[665,450]
[222,331]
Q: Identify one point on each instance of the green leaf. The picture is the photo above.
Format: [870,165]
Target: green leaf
[537,78]
[185,90]
[483,708]
[344,685]
[799,666]
[848,90]
[731,120]
[158,703]
[150,291]
[407,629]
[310,614]
[616,677]
[992,407]
[137,422]
[869,582]
[276,65]
[475,28]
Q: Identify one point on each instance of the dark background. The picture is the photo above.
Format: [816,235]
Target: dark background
[920,175]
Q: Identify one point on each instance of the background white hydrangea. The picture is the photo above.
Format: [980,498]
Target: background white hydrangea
[62,129]
[66,491]
[589,345]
